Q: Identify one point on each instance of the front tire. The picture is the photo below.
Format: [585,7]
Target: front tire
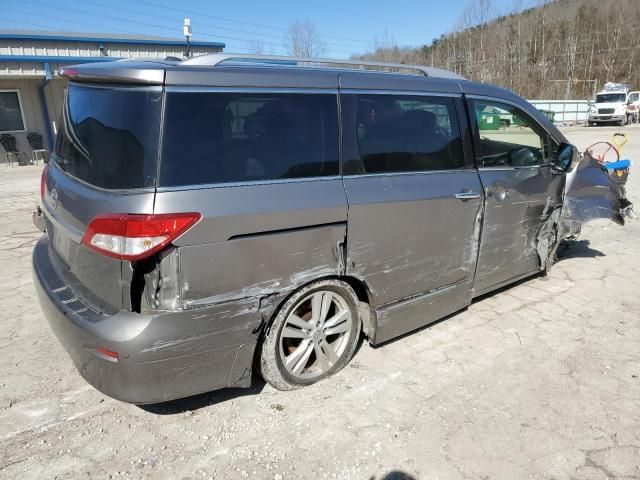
[313,335]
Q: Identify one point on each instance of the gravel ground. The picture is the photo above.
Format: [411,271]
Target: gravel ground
[539,380]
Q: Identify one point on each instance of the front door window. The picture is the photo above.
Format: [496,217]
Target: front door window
[508,136]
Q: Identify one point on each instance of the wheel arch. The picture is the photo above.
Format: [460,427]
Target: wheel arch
[358,297]
[363,293]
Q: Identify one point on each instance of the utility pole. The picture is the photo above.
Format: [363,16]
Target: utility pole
[186,28]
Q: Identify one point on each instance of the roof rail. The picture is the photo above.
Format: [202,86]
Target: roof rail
[215,59]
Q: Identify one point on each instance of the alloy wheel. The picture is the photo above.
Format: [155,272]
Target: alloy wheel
[315,334]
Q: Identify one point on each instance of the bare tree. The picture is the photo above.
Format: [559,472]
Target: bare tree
[476,16]
[385,47]
[256,47]
[539,48]
[303,40]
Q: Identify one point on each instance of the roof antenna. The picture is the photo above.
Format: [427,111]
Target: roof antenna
[186,28]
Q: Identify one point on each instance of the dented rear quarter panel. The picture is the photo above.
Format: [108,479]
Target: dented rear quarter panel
[259,265]
[257,240]
[210,293]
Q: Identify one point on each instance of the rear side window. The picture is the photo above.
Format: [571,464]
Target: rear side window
[212,137]
[109,136]
[407,134]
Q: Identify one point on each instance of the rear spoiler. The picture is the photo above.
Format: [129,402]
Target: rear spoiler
[121,71]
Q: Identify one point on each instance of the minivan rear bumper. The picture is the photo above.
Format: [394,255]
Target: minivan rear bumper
[160,357]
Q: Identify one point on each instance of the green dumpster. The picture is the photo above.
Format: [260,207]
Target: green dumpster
[488,120]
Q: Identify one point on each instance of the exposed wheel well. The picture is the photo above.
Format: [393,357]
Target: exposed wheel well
[363,293]
[361,290]
[367,313]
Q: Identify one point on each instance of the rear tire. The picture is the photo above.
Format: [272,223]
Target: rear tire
[313,335]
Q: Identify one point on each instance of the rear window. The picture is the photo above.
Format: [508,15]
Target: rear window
[109,136]
[212,137]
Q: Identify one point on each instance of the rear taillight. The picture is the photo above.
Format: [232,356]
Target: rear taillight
[43,181]
[134,237]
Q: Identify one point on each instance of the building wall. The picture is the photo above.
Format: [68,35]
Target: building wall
[31,112]
[21,70]
[57,48]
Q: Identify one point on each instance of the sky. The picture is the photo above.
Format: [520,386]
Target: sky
[346,26]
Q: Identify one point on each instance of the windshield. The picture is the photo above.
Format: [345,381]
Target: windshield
[611,97]
[109,136]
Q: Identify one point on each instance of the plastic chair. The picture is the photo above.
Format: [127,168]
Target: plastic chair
[38,152]
[8,142]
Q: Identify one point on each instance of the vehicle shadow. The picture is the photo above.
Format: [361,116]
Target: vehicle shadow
[202,400]
[395,475]
[576,249]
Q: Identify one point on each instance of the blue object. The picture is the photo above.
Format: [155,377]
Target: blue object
[619,165]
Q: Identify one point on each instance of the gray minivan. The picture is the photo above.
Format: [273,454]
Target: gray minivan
[205,216]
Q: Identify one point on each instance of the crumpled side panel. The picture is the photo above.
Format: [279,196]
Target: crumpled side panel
[256,266]
[591,193]
[547,239]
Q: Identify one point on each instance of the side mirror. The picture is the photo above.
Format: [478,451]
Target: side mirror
[566,157]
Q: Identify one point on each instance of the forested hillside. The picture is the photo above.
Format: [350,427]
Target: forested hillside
[559,49]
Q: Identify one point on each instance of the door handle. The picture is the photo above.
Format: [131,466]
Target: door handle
[467,195]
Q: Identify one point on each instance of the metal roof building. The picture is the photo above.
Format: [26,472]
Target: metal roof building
[31,93]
